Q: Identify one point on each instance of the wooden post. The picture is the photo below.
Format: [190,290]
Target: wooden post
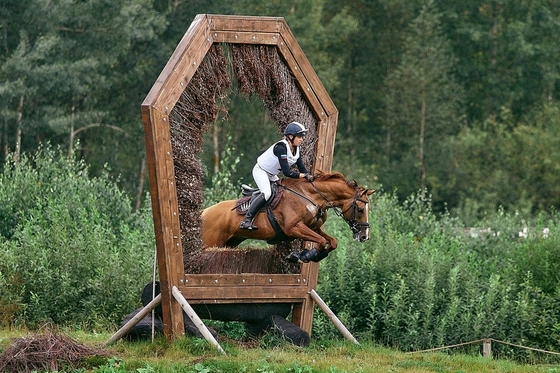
[165,210]
[335,320]
[196,320]
[135,320]
[487,348]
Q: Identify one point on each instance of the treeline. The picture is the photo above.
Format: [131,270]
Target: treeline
[456,97]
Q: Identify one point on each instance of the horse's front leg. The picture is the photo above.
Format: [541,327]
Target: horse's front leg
[333,243]
[300,230]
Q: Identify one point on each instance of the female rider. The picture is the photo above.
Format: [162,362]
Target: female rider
[278,157]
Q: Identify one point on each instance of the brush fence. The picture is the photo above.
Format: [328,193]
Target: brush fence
[262,57]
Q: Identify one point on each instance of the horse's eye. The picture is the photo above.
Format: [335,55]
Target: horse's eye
[360,210]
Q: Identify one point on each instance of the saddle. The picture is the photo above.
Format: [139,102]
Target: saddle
[249,193]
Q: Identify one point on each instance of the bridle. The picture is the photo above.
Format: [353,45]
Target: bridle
[355,226]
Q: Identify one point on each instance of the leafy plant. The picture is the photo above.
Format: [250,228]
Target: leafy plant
[74,252]
[423,281]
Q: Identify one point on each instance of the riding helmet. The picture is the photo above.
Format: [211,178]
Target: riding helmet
[296,129]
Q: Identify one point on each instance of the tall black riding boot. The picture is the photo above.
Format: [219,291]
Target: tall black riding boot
[252,211]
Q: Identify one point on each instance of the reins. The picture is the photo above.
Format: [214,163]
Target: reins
[354,225]
[321,210]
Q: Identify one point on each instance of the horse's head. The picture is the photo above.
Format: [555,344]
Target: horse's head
[352,199]
[356,214]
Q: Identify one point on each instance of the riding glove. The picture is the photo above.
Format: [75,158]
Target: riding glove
[309,177]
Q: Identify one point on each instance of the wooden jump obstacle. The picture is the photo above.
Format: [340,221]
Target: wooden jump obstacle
[297,289]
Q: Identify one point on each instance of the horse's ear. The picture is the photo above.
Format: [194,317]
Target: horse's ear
[368,192]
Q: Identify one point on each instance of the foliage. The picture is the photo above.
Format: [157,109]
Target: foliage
[72,248]
[223,185]
[424,281]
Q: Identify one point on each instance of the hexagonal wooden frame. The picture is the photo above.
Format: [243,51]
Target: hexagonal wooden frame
[166,91]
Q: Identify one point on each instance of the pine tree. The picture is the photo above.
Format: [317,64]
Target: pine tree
[422,106]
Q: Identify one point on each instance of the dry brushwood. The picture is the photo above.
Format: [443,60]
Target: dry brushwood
[258,70]
[49,351]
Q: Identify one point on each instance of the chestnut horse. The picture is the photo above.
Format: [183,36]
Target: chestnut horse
[301,213]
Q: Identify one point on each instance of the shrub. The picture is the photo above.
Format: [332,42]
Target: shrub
[74,252]
[420,282]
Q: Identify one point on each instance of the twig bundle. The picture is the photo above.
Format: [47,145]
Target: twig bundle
[44,352]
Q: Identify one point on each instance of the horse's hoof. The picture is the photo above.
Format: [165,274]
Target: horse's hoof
[293,258]
[320,256]
[308,255]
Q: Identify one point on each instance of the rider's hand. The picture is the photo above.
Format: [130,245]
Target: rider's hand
[308,177]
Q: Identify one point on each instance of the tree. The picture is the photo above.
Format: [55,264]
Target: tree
[508,164]
[508,54]
[422,106]
[81,65]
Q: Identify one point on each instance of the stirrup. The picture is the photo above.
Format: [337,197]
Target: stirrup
[247,225]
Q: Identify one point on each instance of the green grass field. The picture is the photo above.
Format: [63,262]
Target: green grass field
[270,355]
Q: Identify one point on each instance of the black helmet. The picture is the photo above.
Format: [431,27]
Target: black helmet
[296,129]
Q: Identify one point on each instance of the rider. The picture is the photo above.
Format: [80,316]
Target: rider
[278,157]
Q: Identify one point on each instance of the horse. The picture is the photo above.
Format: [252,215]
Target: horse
[300,214]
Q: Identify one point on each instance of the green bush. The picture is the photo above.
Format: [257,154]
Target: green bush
[423,281]
[73,250]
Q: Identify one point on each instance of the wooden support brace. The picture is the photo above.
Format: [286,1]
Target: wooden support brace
[335,320]
[196,320]
[135,320]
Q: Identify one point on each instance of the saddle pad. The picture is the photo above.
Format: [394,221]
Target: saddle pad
[242,203]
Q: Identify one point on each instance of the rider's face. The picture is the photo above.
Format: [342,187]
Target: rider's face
[298,140]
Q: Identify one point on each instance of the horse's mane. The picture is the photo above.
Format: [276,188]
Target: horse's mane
[324,176]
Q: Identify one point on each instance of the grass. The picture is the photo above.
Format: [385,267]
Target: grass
[193,355]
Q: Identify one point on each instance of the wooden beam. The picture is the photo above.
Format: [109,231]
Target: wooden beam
[196,320]
[330,314]
[245,23]
[135,320]
[245,294]
[238,37]
[244,288]
[326,133]
[243,279]
[181,67]
[166,216]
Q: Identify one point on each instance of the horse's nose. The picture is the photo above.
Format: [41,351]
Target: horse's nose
[361,236]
